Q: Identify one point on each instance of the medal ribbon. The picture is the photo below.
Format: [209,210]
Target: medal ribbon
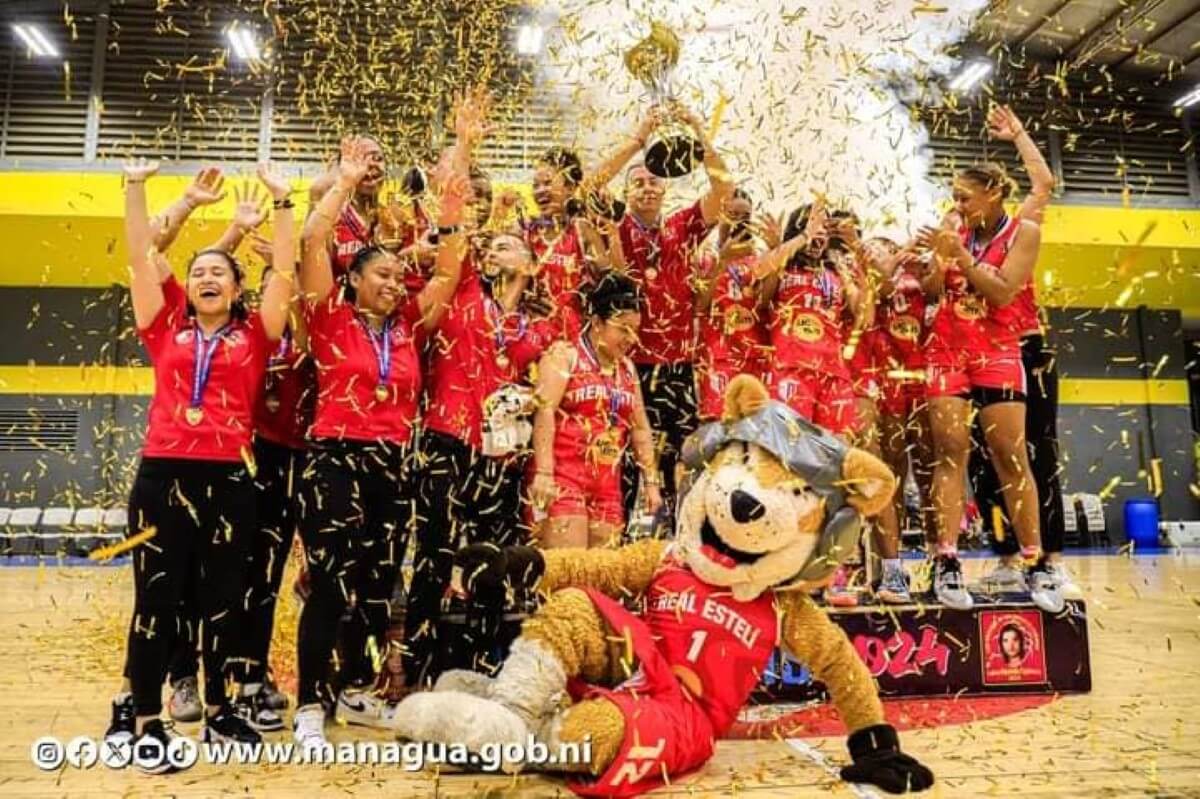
[382,345]
[203,352]
[497,320]
[973,243]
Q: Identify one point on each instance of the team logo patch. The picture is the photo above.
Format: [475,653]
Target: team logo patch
[970,308]
[806,327]
[904,328]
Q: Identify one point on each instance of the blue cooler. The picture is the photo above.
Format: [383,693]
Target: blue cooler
[1141,522]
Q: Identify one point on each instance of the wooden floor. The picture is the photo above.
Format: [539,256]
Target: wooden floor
[1138,733]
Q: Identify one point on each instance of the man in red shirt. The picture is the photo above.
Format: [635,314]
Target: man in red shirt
[659,253]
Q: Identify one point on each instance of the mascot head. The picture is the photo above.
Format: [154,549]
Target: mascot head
[773,502]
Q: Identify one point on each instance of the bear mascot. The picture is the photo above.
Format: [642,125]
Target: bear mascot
[772,505]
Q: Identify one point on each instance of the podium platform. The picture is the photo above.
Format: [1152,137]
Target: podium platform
[1005,645]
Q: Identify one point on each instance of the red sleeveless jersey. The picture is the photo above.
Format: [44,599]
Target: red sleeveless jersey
[732,331]
[901,325]
[561,268]
[596,411]
[351,233]
[1025,310]
[964,319]
[807,322]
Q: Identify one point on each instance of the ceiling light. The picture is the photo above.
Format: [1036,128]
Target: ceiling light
[529,39]
[243,44]
[37,42]
[971,75]
[1189,99]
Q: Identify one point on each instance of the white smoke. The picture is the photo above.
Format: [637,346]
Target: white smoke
[812,91]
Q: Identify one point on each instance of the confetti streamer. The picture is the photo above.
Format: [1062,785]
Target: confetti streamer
[110,552]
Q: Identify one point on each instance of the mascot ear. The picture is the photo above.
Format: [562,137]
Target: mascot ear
[869,483]
[746,395]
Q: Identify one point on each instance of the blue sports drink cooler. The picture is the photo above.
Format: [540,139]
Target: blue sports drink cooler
[1141,522]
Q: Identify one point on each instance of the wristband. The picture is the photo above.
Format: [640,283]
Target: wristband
[448,230]
[286,202]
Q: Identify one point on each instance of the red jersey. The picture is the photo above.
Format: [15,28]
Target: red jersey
[660,260]
[477,349]
[807,320]
[220,428]
[596,411]
[351,233]
[733,332]
[901,325]
[1025,310]
[285,406]
[351,401]
[965,320]
[561,268]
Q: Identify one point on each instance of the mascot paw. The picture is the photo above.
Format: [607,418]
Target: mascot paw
[466,682]
[879,761]
[451,717]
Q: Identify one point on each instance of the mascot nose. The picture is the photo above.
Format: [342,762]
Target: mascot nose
[745,507]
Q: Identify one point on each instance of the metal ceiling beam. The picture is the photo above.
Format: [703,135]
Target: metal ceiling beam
[1100,36]
[1163,30]
[1028,31]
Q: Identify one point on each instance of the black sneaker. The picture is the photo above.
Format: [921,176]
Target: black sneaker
[229,727]
[257,713]
[123,726]
[150,749]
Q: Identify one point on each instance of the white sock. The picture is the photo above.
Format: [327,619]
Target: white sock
[122,697]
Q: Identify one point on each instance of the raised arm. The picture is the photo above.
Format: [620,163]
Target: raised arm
[1003,124]
[814,238]
[249,212]
[607,169]
[316,272]
[720,182]
[145,280]
[277,295]
[205,189]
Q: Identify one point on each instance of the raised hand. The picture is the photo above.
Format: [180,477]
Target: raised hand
[250,210]
[137,170]
[205,189]
[687,116]
[261,246]
[769,230]
[471,110]
[353,166]
[1003,124]
[816,231]
[277,184]
[654,117]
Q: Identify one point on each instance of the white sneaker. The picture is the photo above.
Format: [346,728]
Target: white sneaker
[308,728]
[1066,581]
[364,707]
[1004,578]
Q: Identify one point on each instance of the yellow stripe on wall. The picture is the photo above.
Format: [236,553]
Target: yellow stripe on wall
[139,381]
[77,380]
[1087,391]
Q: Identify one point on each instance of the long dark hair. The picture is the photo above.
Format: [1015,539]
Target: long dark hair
[1020,638]
[237,309]
[357,264]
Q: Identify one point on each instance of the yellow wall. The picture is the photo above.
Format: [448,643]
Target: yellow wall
[64,229]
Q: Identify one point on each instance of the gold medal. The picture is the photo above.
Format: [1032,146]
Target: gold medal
[194,416]
[651,273]
[502,360]
[381,393]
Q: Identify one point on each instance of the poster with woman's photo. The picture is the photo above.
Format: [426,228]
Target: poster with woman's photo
[1014,649]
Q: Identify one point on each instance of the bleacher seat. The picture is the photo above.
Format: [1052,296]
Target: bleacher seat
[56,530]
[116,520]
[22,531]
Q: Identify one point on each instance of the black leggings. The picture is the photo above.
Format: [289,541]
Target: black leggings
[204,516]
[1041,437]
[669,392]
[277,487]
[463,498]
[355,515]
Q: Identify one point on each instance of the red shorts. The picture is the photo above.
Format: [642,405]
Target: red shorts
[955,372]
[586,489]
[901,398]
[822,398]
[665,731]
[711,382]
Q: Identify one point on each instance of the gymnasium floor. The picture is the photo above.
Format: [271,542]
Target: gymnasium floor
[1136,734]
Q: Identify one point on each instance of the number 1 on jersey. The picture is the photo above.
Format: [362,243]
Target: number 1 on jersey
[698,638]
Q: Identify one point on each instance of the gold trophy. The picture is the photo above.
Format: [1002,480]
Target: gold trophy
[672,150]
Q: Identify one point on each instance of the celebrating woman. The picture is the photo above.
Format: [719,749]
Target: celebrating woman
[193,494]
[982,258]
[366,339]
[471,465]
[589,406]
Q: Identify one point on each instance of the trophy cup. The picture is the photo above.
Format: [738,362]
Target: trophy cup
[672,151]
